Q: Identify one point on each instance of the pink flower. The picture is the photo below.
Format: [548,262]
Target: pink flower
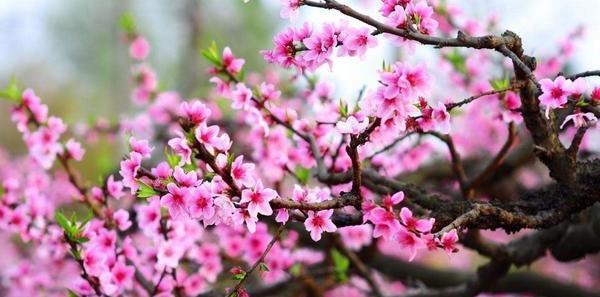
[355,237]
[449,240]
[441,118]
[169,254]
[357,41]
[580,119]
[121,218]
[139,48]
[283,215]
[242,97]
[186,180]
[389,6]
[320,47]
[290,9]
[114,188]
[208,135]
[421,15]
[258,200]
[411,242]
[242,172]
[181,147]
[352,126]
[148,216]
[554,93]
[390,201]
[413,224]
[385,221]
[319,222]
[94,261]
[119,276]
[230,63]
[74,149]
[140,146]
[195,111]
[200,202]
[195,285]
[174,201]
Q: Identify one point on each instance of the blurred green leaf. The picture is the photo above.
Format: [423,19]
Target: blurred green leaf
[145,191]
[212,54]
[303,174]
[127,22]
[341,265]
[11,92]
[457,60]
[239,276]
[262,266]
[172,158]
[296,269]
[500,84]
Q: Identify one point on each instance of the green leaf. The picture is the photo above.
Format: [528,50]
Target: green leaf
[341,265]
[145,191]
[212,54]
[11,92]
[457,60]
[580,103]
[70,293]
[128,23]
[303,174]
[296,269]
[172,159]
[343,108]
[1,191]
[239,276]
[82,239]
[500,84]
[230,159]
[62,221]
[262,266]
[209,176]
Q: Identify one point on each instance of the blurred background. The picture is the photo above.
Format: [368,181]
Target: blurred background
[73,55]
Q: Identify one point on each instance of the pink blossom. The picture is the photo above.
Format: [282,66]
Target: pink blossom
[186,179]
[449,240]
[554,93]
[410,241]
[117,279]
[139,48]
[141,147]
[580,119]
[258,199]
[242,97]
[390,201]
[195,284]
[319,222]
[385,221]
[181,147]
[290,9]
[357,41]
[355,237]
[208,135]
[195,111]
[121,218]
[242,173]
[169,254]
[200,202]
[230,63]
[114,188]
[174,201]
[74,149]
[421,15]
[414,224]
[352,126]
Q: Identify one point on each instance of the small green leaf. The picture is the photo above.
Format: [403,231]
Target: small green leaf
[1,191]
[62,221]
[11,92]
[88,217]
[341,265]
[296,269]
[239,276]
[128,23]
[262,266]
[303,174]
[172,159]
[500,84]
[343,106]
[212,54]
[82,239]
[230,159]
[581,103]
[208,176]
[70,293]
[457,60]
[145,191]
